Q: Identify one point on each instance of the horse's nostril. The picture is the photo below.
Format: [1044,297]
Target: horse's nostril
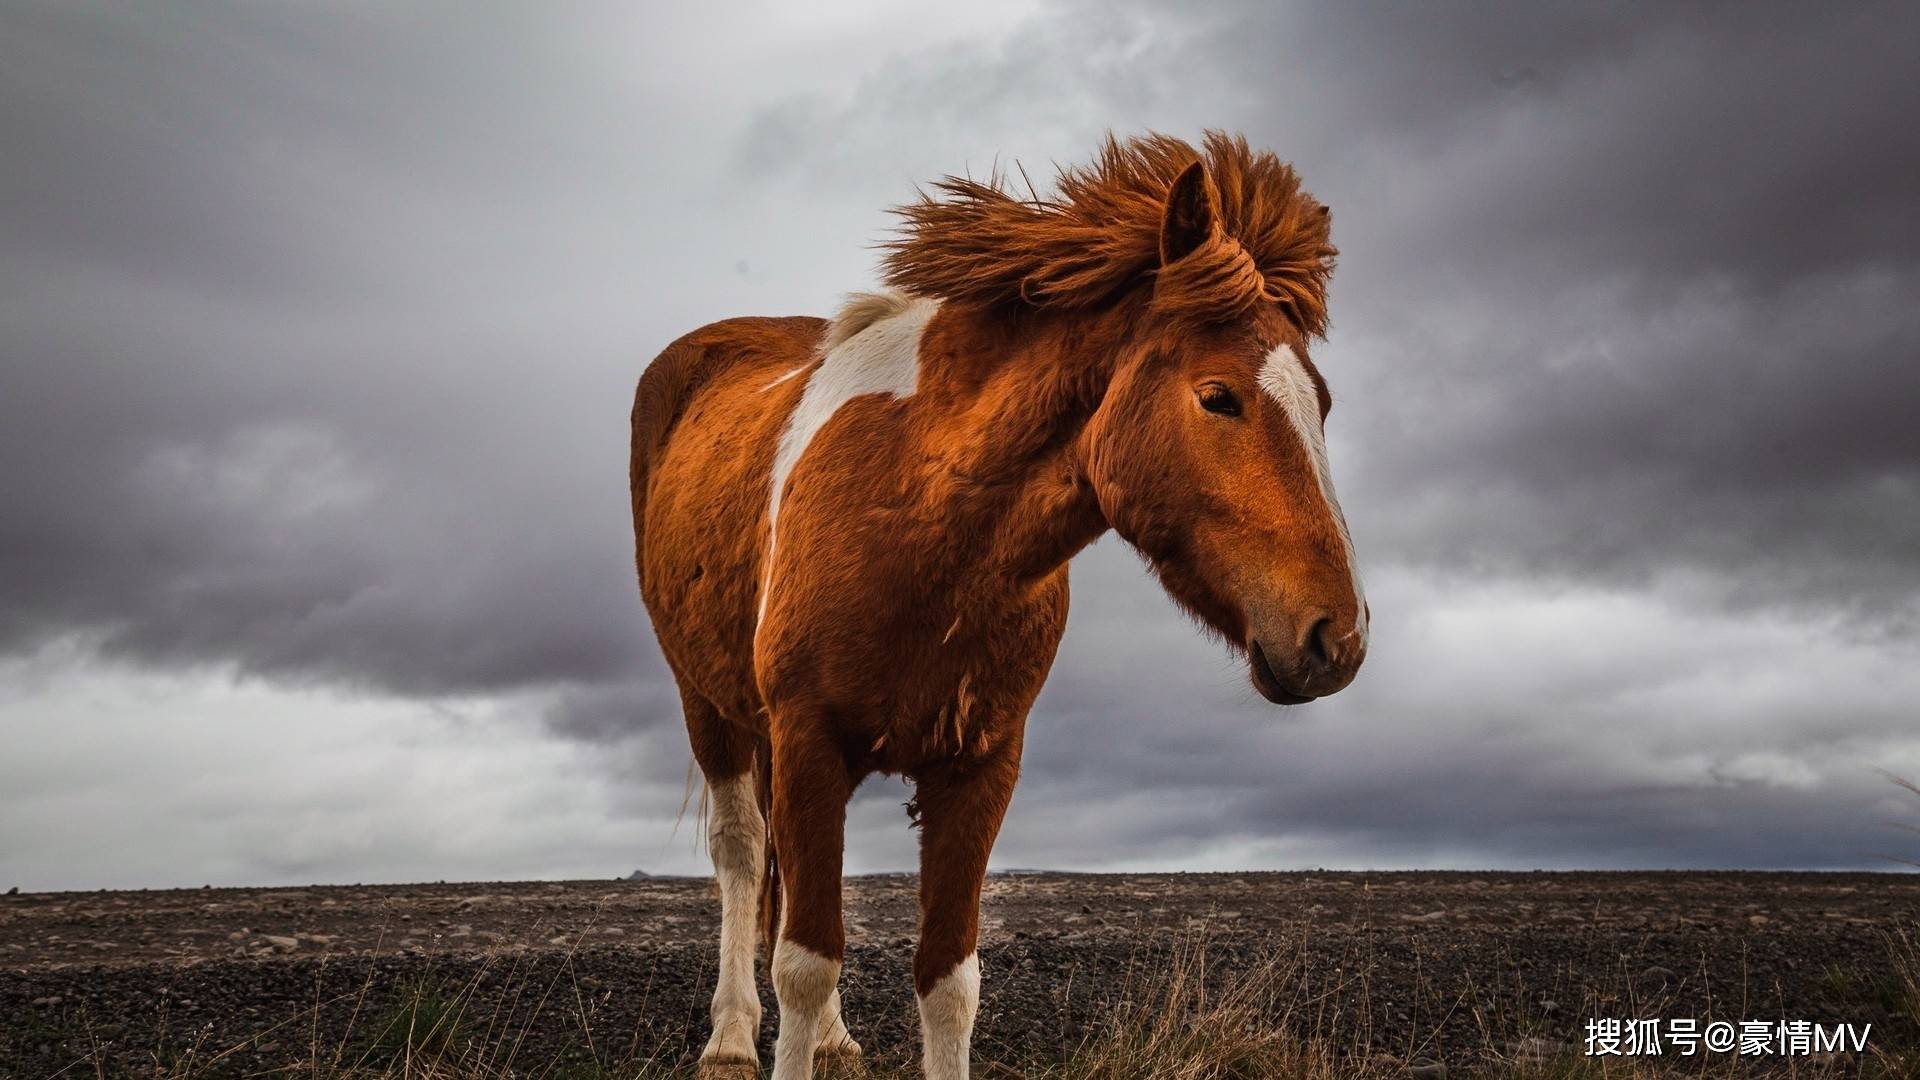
[1318,643]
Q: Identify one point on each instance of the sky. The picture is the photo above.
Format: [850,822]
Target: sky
[319,325]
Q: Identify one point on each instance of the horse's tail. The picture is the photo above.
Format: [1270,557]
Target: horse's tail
[656,404]
[648,433]
[669,382]
[770,878]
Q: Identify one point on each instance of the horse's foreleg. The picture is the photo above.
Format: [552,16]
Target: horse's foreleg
[960,810]
[811,785]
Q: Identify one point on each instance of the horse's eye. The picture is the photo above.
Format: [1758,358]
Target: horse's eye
[1218,399]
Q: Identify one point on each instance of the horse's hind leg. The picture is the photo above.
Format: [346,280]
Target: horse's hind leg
[736,839]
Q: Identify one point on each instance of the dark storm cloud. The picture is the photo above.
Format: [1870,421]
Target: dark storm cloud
[319,328]
[1620,295]
[280,390]
[1649,312]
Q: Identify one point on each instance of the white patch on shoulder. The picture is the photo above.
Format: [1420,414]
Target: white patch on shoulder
[872,348]
[1285,379]
[946,1021]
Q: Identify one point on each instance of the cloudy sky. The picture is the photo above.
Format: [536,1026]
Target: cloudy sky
[319,325]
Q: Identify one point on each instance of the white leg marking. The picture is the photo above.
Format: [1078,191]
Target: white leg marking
[804,982]
[736,838]
[1285,379]
[946,1021]
[882,357]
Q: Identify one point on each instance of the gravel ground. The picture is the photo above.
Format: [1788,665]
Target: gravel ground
[1452,967]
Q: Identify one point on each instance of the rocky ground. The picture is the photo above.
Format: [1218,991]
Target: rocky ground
[1450,967]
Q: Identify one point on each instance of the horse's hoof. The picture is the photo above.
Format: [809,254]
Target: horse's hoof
[728,1068]
[842,1062]
[846,1047]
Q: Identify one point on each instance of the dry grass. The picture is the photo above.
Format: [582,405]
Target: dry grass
[1179,1024]
[1183,1020]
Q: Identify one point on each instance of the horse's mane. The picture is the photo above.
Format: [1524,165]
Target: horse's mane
[1099,236]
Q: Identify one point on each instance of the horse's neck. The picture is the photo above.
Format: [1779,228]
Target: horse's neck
[1016,440]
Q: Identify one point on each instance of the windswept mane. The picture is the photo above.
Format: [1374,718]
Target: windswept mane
[1099,236]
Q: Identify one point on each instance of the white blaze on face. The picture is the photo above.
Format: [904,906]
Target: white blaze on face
[883,357]
[1284,377]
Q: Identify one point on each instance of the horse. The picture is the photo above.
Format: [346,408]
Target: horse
[852,535]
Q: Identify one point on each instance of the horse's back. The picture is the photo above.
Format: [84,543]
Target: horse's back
[706,417]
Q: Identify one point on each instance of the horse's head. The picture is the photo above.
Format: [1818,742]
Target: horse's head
[1207,454]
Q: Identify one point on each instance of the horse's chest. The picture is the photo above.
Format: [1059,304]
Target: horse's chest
[919,675]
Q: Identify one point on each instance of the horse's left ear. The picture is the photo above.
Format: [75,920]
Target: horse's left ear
[1190,216]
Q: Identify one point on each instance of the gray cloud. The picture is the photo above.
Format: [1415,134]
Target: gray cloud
[319,328]
[1647,308]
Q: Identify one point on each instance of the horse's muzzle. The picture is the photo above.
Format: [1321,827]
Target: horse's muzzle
[1268,682]
[1322,663]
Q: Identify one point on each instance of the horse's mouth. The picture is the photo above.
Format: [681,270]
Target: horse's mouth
[1269,684]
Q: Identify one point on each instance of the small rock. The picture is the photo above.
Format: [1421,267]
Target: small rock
[48,1002]
[1758,920]
[281,943]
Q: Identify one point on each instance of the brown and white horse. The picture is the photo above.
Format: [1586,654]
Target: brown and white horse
[853,535]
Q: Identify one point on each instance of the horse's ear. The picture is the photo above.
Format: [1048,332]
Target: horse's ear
[1190,216]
